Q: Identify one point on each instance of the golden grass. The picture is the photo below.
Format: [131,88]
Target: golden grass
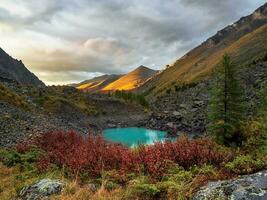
[130,81]
[7,189]
[13,179]
[90,86]
[73,191]
[201,61]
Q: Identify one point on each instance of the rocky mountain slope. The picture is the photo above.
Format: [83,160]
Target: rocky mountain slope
[179,95]
[12,69]
[244,40]
[27,111]
[131,80]
[184,109]
[97,83]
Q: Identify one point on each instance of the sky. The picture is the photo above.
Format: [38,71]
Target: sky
[66,41]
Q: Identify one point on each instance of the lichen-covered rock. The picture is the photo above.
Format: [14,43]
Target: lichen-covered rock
[249,187]
[40,190]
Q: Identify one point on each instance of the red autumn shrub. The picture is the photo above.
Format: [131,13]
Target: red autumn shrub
[22,147]
[82,154]
[184,152]
[43,164]
[92,154]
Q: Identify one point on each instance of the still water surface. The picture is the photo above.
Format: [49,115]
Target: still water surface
[134,136]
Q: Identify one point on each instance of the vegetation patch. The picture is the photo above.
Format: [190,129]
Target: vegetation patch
[12,98]
[57,99]
[131,97]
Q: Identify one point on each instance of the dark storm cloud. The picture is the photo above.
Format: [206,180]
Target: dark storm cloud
[40,12]
[110,36]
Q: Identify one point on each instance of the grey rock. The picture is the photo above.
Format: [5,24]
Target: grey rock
[171,125]
[184,106]
[92,187]
[14,70]
[194,109]
[112,125]
[177,114]
[199,103]
[249,187]
[41,190]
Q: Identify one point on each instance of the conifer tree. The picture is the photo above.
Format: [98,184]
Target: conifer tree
[227,104]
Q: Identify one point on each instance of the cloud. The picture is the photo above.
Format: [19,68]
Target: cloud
[74,39]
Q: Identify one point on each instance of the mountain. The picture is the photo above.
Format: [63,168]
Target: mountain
[97,83]
[131,80]
[244,40]
[12,69]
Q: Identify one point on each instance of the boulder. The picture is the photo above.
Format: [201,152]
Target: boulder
[249,187]
[198,103]
[177,115]
[41,190]
[171,125]
[183,106]
[110,125]
[92,187]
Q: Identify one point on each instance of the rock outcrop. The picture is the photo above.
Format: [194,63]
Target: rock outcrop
[12,69]
[249,187]
[41,190]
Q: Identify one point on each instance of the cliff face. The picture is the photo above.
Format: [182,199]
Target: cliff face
[12,69]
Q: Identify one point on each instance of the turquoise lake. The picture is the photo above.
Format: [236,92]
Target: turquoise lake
[132,137]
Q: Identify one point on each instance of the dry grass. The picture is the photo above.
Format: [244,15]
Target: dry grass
[73,191]
[7,189]
[201,61]
[12,181]
[90,86]
[130,81]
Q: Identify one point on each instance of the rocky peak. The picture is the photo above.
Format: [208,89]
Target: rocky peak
[14,69]
[242,26]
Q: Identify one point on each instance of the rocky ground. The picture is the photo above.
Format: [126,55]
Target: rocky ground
[249,187]
[116,113]
[17,123]
[184,110]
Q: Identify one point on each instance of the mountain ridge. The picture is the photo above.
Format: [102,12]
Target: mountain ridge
[132,80]
[97,83]
[243,40]
[13,69]
[129,81]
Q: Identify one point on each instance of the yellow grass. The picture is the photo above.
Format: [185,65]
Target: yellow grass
[200,62]
[131,80]
[73,191]
[90,85]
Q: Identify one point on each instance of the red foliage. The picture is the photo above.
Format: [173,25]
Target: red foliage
[92,154]
[22,147]
[43,164]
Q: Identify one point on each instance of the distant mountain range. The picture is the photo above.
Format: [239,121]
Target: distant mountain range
[97,83]
[113,82]
[15,70]
[244,40]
